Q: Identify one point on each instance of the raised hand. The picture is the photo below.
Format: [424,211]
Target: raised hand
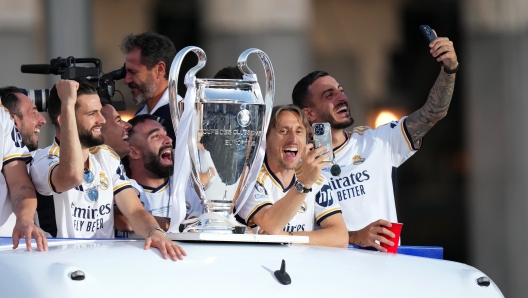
[312,164]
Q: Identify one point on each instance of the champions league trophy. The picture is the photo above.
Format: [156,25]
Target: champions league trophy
[220,138]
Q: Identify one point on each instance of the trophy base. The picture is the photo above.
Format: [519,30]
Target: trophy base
[214,223]
[217,237]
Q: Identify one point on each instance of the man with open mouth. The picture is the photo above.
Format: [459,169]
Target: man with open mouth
[290,196]
[27,118]
[367,156]
[151,167]
[18,200]
[83,177]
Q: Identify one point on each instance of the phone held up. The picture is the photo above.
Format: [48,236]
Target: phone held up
[323,137]
[427,33]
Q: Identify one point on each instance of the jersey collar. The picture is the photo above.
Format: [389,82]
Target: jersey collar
[160,188]
[275,179]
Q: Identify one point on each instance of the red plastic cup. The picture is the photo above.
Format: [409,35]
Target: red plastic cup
[396,229]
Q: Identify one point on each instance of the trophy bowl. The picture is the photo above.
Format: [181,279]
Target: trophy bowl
[224,131]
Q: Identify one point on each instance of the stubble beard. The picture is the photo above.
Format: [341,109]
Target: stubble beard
[29,138]
[335,124]
[285,166]
[146,91]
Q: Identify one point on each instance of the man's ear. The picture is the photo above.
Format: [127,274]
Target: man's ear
[15,118]
[59,120]
[134,153]
[310,114]
[160,70]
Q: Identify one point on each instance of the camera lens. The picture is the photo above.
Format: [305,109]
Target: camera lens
[38,96]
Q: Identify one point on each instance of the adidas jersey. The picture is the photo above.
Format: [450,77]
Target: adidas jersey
[364,188]
[13,148]
[158,201]
[317,206]
[74,213]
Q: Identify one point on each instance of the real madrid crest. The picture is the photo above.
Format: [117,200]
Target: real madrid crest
[357,159]
[103,181]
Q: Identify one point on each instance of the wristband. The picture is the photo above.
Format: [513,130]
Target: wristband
[154,229]
[450,71]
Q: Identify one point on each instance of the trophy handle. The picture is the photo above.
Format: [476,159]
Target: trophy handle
[173,79]
[270,77]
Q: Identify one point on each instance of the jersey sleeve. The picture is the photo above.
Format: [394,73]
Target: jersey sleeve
[325,204]
[119,179]
[395,140]
[13,147]
[138,189]
[257,199]
[40,171]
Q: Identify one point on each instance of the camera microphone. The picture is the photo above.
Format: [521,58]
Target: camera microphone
[36,68]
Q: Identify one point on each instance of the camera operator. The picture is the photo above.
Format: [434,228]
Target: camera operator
[148,59]
[27,118]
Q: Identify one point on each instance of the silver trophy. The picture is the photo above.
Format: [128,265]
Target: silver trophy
[228,122]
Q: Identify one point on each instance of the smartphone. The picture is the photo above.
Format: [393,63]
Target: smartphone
[322,136]
[428,33]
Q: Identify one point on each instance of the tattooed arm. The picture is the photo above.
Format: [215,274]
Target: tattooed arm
[24,203]
[422,120]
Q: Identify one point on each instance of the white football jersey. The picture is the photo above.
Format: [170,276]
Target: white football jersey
[364,188]
[317,206]
[158,202]
[76,214]
[13,148]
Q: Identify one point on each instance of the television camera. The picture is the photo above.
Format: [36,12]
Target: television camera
[69,69]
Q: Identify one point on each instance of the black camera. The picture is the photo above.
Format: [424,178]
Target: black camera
[68,69]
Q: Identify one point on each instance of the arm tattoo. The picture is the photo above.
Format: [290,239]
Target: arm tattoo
[16,200]
[422,120]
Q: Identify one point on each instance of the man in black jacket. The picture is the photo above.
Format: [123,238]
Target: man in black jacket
[148,60]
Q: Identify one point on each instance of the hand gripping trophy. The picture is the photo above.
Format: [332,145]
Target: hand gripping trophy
[220,138]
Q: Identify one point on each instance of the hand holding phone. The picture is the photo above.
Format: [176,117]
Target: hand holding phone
[323,137]
[427,33]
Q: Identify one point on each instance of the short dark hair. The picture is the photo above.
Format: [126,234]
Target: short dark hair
[154,48]
[54,102]
[105,102]
[230,72]
[274,119]
[9,99]
[300,93]
[140,119]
